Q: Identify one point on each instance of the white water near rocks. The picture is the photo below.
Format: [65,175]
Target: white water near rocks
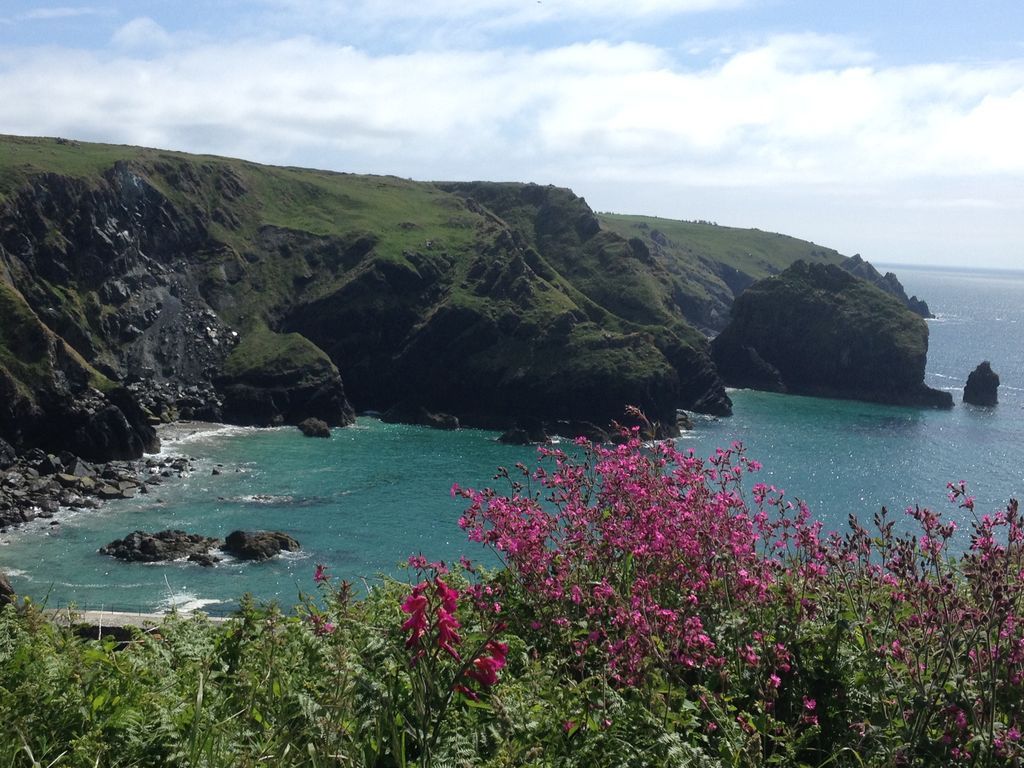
[375,493]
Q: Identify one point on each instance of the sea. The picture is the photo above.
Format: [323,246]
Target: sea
[373,494]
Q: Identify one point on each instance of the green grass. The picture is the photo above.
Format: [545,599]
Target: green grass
[262,351]
[751,251]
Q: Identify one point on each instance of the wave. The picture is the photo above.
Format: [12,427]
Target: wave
[179,433]
[263,498]
[186,602]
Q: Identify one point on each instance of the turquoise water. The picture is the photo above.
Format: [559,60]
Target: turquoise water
[375,493]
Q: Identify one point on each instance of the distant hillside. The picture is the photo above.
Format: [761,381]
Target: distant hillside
[710,265]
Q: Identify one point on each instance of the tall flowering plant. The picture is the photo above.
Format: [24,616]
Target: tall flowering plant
[639,551]
[446,662]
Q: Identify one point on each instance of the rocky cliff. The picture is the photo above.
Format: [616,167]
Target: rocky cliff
[142,286]
[818,330]
[213,288]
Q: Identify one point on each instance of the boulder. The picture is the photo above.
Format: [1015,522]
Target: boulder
[258,545]
[982,386]
[159,547]
[314,427]
[518,436]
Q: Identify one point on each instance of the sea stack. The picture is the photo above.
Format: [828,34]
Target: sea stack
[982,386]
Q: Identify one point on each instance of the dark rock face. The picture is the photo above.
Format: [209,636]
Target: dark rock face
[258,545]
[982,386]
[818,330]
[158,547]
[286,397]
[888,282]
[128,284]
[7,454]
[6,591]
[312,427]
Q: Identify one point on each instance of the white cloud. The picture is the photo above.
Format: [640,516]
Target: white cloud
[141,32]
[794,112]
[62,12]
[499,11]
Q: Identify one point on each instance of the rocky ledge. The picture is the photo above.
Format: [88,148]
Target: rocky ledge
[36,484]
[818,330]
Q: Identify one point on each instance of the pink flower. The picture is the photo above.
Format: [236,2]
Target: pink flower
[320,574]
[449,597]
[485,668]
[447,635]
[321,626]
[416,606]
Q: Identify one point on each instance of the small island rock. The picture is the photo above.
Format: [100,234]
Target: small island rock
[143,547]
[258,545]
[982,386]
[314,427]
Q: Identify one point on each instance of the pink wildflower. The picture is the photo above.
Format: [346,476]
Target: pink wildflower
[320,574]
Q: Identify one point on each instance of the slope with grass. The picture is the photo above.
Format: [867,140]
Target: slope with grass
[705,266]
[166,271]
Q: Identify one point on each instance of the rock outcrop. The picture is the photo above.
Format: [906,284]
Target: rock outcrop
[271,379]
[163,546]
[313,427]
[888,282]
[982,386]
[258,545]
[818,330]
[7,594]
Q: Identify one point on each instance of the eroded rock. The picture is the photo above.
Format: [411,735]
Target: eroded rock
[140,546]
[982,386]
[258,545]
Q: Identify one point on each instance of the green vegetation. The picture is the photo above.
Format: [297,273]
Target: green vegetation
[262,352]
[753,252]
[647,615]
[31,356]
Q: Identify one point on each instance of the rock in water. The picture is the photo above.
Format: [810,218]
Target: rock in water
[314,427]
[817,330]
[982,386]
[143,547]
[259,545]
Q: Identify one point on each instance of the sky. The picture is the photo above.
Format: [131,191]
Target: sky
[889,128]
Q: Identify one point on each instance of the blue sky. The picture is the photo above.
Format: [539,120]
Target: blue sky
[890,129]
